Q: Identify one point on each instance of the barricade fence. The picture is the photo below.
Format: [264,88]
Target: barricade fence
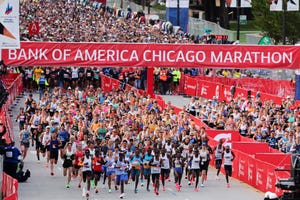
[195,86]
[255,163]
[9,187]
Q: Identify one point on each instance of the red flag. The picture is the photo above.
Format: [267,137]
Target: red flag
[34,28]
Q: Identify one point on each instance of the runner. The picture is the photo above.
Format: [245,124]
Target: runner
[204,154]
[25,140]
[219,149]
[68,156]
[147,168]
[79,155]
[121,172]
[110,169]
[54,149]
[97,168]
[87,172]
[165,168]
[195,167]
[228,157]
[46,138]
[156,164]
[178,169]
[136,163]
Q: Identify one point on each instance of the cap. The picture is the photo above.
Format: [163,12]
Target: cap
[47,126]
[227,147]
[69,88]
[87,151]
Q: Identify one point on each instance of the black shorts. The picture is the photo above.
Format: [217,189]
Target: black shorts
[76,167]
[196,172]
[97,175]
[54,155]
[67,163]
[63,144]
[38,145]
[165,172]
[86,174]
[228,169]
[25,144]
[204,166]
[218,163]
[45,148]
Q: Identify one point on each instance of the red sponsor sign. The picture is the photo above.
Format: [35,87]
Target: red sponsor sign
[190,86]
[34,28]
[106,83]
[155,55]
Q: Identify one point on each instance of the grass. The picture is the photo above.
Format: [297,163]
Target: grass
[159,7]
[250,26]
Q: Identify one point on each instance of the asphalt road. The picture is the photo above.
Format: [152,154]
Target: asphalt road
[41,185]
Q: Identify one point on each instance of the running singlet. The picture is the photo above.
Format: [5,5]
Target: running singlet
[155,168]
[228,158]
[146,161]
[121,167]
[218,153]
[166,162]
[87,164]
[136,162]
[203,155]
[78,158]
[195,162]
[110,164]
[97,164]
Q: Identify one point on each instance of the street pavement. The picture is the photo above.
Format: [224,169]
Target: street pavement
[41,185]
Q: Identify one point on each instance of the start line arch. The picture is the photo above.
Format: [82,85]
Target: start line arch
[153,55]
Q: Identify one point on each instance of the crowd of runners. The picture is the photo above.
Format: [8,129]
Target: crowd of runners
[119,136]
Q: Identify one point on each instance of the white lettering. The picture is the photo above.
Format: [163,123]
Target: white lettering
[202,54]
[216,59]
[145,56]
[78,55]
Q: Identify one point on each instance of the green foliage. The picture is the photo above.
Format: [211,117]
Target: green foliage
[270,22]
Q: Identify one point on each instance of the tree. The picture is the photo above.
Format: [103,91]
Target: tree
[270,22]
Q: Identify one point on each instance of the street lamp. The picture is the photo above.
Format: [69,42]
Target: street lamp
[238,7]
[178,13]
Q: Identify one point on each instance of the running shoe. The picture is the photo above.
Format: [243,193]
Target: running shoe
[109,190]
[142,184]
[228,185]
[135,190]
[87,194]
[96,190]
[68,186]
[196,189]
[169,179]
[79,185]
[52,173]
[190,183]
[116,187]
[164,188]
[185,177]
[156,192]
[202,185]
[122,196]
[148,189]
[177,187]
[38,162]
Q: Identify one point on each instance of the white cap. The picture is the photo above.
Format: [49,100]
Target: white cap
[267,194]
[273,196]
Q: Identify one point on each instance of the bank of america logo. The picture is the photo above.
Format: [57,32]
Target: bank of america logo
[8,9]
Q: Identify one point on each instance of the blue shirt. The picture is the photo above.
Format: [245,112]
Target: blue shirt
[11,154]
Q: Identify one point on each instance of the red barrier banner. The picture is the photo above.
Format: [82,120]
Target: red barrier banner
[208,89]
[155,55]
[251,148]
[9,187]
[242,167]
[190,86]
[251,169]
[115,84]
[226,136]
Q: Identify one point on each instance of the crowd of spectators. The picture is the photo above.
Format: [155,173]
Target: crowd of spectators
[264,122]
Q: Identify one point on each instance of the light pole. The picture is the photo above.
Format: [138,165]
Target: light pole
[238,7]
[284,22]
[178,13]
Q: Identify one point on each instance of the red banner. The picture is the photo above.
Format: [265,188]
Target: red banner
[9,187]
[190,86]
[34,28]
[155,55]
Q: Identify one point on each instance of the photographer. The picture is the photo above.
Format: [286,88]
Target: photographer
[11,159]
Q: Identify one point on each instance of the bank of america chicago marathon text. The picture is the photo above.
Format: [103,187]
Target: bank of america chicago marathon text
[147,56]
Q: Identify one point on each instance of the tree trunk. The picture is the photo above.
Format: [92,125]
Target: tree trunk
[224,22]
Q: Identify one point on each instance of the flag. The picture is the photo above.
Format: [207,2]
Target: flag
[266,40]
[276,5]
[34,28]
